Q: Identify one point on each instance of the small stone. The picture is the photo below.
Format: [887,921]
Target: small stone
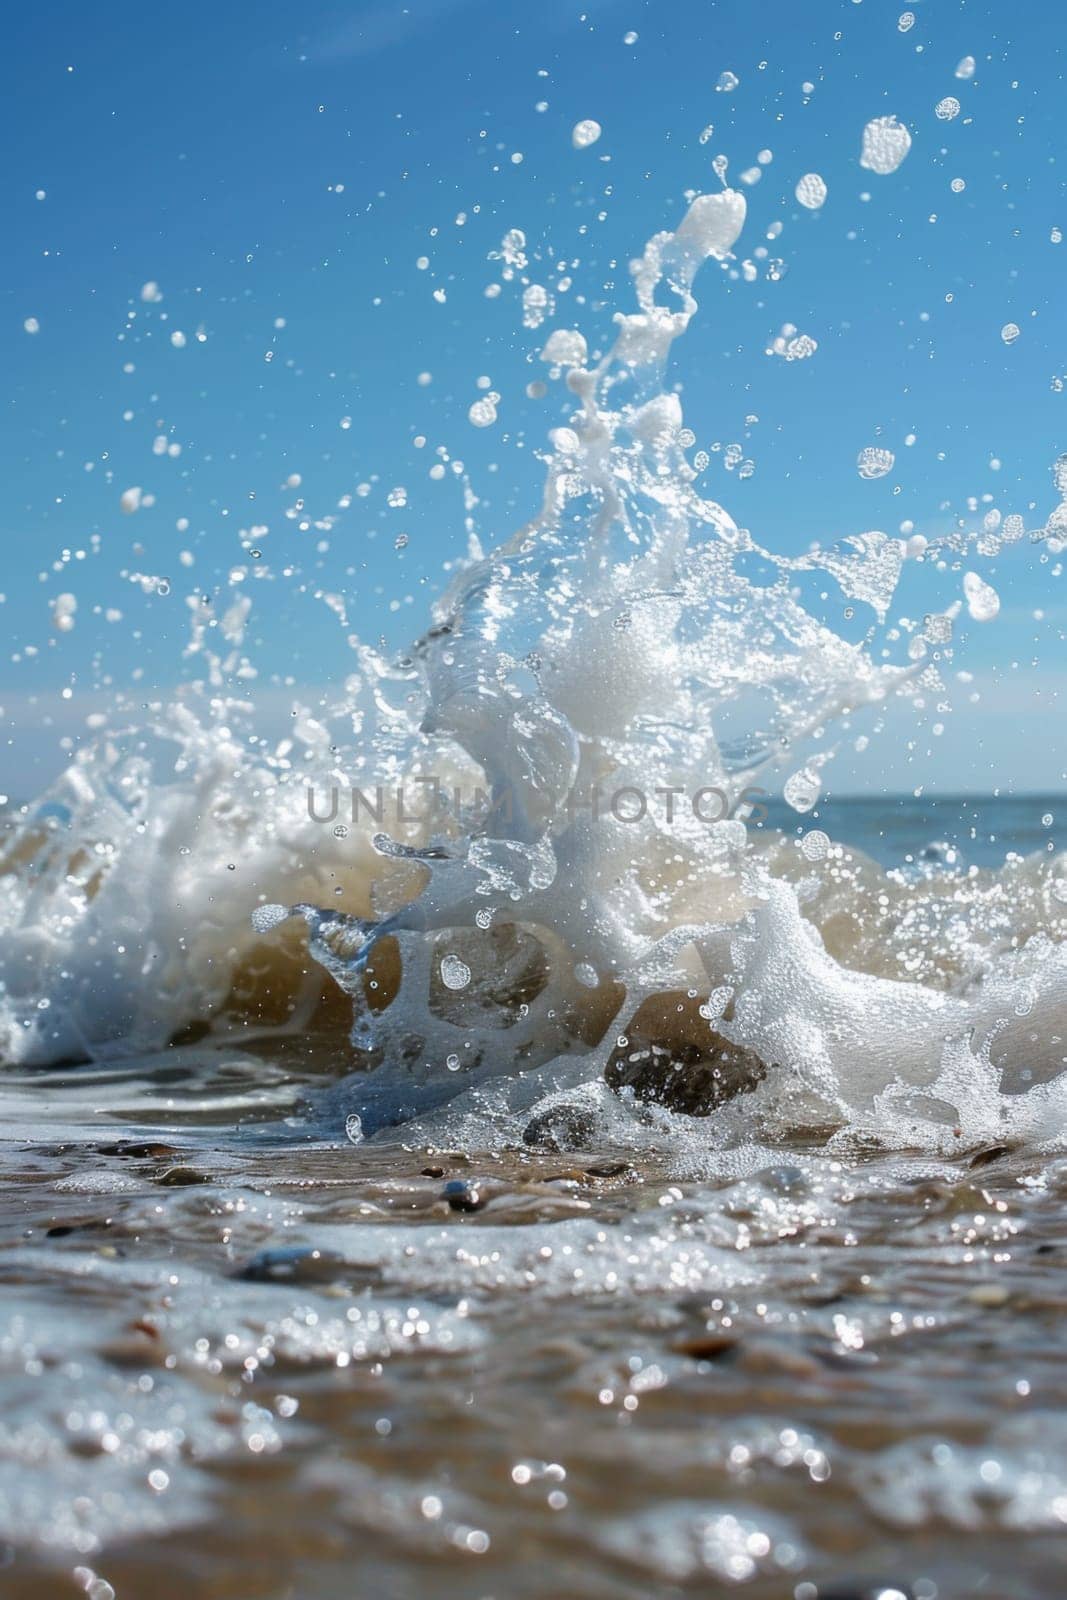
[560,1127]
[137,1150]
[990,1296]
[303,1264]
[181,1178]
[706,1346]
[98,1224]
[994,1153]
[462,1196]
[673,1057]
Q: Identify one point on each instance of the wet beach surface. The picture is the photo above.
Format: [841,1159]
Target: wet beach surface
[239,1360]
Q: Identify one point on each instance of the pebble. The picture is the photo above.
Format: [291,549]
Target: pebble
[990,1296]
[560,1127]
[463,1196]
[706,1346]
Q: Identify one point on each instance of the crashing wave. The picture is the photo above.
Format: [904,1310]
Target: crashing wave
[596,918]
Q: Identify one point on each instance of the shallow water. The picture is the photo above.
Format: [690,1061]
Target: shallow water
[249,1363]
[241,1358]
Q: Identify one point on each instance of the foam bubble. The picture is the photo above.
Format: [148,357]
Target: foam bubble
[886,142]
[874,462]
[811,191]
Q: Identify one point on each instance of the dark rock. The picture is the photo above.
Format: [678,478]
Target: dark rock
[673,1057]
[560,1127]
[985,1157]
[706,1346]
[288,1263]
[463,1196]
[304,1264]
[63,1230]
[139,1150]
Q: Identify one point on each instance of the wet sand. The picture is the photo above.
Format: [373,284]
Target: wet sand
[238,1360]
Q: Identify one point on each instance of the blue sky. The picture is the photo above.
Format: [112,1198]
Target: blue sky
[297,163]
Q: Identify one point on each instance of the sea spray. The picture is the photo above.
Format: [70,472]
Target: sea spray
[632,638]
[615,635]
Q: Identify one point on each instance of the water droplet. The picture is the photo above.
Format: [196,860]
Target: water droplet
[802,789]
[483,412]
[811,191]
[885,144]
[874,462]
[455,974]
[585,133]
[983,602]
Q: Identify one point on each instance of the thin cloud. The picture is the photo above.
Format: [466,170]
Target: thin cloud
[381,27]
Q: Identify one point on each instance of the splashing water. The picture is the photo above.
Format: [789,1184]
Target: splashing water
[610,685]
[536,1169]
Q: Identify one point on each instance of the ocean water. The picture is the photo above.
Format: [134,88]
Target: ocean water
[904,832]
[584,1185]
